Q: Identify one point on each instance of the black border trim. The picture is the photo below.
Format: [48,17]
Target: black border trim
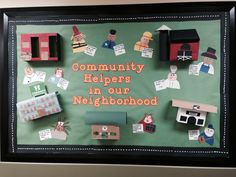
[162,8]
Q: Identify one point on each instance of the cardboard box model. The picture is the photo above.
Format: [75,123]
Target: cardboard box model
[40,47]
[178,45]
[184,45]
[105,125]
[38,107]
[192,113]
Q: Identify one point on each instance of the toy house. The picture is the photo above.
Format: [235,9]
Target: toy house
[184,45]
[192,113]
[38,107]
[40,47]
[106,125]
[178,45]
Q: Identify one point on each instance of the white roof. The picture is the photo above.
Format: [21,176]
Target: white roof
[194,106]
[163,27]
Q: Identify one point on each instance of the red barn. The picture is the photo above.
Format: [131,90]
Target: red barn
[40,47]
[184,45]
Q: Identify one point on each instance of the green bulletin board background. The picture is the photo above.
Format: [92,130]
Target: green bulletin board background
[204,88]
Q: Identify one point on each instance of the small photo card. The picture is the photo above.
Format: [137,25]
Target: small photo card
[45,134]
[193,70]
[119,49]
[63,83]
[160,84]
[193,135]
[90,50]
[147,53]
[138,128]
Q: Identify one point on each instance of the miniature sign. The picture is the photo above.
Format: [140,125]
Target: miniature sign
[38,89]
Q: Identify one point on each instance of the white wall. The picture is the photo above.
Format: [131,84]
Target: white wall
[91,170]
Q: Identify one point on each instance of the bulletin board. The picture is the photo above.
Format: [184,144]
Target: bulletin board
[150,76]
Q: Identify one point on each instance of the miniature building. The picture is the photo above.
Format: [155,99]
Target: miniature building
[105,125]
[38,107]
[184,45]
[164,42]
[40,47]
[192,113]
[178,45]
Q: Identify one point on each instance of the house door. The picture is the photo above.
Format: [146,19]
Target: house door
[192,120]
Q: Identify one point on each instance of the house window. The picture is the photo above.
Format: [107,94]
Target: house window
[35,47]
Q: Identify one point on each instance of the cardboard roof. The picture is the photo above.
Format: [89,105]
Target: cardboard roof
[189,35]
[194,106]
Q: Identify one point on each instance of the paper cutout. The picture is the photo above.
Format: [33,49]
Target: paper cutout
[147,53]
[193,70]
[110,42]
[90,50]
[78,38]
[37,47]
[138,128]
[207,65]
[119,49]
[60,130]
[160,84]
[207,136]
[193,135]
[192,113]
[171,81]
[38,89]
[31,76]
[38,107]
[29,71]
[144,41]
[59,72]
[45,134]
[148,123]
[58,79]
[63,83]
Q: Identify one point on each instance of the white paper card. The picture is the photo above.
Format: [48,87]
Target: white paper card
[193,135]
[147,53]
[193,70]
[45,134]
[138,128]
[119,49]
[63,84]
[160,85]
[90,50]
[39,76]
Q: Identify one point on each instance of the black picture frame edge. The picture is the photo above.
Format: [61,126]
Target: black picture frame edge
[101,157]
